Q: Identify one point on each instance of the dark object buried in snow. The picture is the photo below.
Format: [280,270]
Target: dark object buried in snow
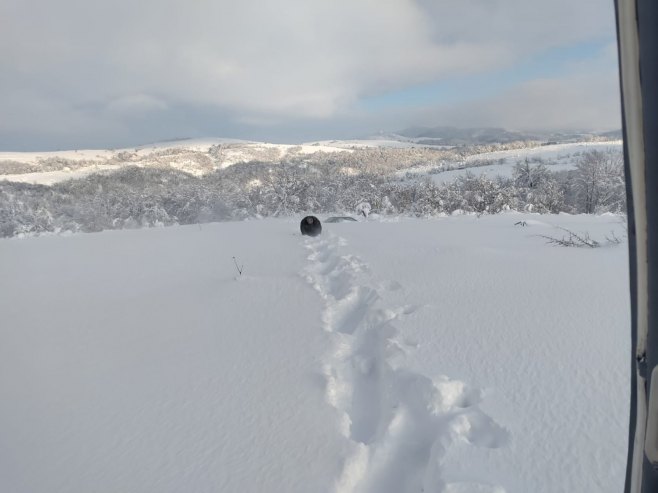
[339,219]
[311,226]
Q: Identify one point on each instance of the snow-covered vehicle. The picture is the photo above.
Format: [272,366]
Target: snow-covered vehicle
[339,219]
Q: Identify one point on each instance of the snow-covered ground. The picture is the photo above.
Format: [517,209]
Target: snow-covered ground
[192,156]
[455,355]
[52,177]
[556,157]
[195,157]
[106,154]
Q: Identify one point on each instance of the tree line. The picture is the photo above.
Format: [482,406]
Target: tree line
[143,197]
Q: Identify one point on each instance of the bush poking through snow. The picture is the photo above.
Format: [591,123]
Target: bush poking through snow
[238,267]
[363,209]
[613,239]
[572,240]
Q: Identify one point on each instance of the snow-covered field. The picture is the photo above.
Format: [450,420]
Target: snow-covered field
[557,157]
[456,355]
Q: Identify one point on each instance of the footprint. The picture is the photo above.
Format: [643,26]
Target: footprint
[408,309]
[390,286]
[401,345]
[399,422]
[348,313]
[455,394]
[356,264]
[339,284]
[328,266]
[480,430]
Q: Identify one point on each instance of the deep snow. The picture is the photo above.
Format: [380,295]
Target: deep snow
[457,354]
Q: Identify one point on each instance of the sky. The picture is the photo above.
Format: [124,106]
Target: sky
[101,74]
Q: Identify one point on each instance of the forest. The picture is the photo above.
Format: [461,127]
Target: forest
[159,196]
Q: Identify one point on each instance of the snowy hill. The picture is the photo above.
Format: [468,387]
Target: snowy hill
[446,135]
[202,156]
[449,355]
[195,156]
[557,157]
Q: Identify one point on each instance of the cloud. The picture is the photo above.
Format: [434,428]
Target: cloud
[133,105]
[579,102]
[276,62]
[585,97]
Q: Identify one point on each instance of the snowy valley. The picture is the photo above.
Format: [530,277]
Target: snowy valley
[191,182]
[199,157]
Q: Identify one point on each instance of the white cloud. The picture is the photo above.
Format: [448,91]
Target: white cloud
[132,105]
[264,61]
[587,97]
[571,103]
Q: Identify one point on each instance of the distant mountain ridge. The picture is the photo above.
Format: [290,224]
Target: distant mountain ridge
[454,136]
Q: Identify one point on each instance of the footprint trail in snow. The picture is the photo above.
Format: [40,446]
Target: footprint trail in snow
[400,423]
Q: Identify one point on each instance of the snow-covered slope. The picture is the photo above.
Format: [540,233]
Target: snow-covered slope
[198,156]
[367,143]
[449,355]
[556,157]
[202,156]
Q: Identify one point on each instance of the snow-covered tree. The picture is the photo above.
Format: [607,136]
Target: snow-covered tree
[528,176]
[537,189]
[599,182]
